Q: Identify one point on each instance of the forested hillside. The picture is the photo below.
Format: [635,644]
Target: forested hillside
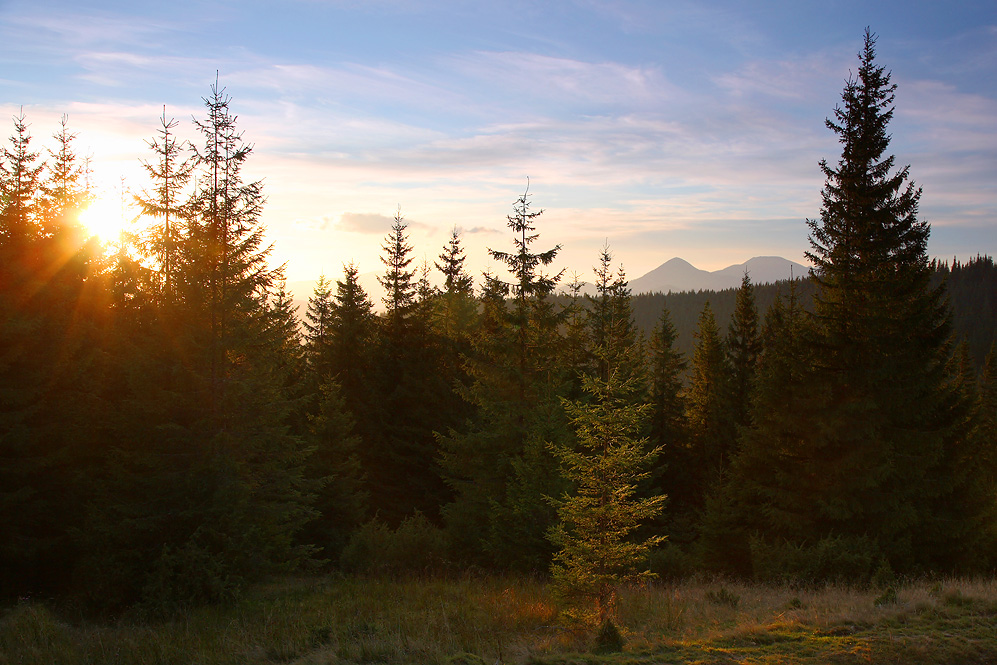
[971,287]
[169,433]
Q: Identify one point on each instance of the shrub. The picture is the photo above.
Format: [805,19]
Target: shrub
[831,559]
[608,639]
[415,546]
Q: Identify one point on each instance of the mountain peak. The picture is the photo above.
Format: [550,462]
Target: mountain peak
[677,275]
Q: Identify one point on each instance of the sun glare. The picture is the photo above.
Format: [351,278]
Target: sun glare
[103,219]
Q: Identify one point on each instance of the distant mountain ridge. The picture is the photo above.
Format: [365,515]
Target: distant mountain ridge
[677,275]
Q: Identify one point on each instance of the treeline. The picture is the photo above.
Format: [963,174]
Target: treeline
[170,433]
[971,288]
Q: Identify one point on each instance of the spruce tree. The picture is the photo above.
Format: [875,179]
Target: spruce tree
[888,433]
[455,278]
[341,500]
[777,471]
[743,347]
[170,174]
[353,329]
[500,466]
[317,326]
[610,320]
[576,348]
[398,281]
[598,518]
[208,482]
[668,430]
[400,458]
[52,291]
[606,463]
[20,180]
[65,192]
[708,413]
[455,308]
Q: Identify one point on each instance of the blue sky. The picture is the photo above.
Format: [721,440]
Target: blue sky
[689,129]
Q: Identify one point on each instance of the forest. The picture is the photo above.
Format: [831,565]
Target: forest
[172,431]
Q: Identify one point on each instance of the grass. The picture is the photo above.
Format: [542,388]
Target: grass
[492,619]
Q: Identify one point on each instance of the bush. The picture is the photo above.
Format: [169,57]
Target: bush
[608,639]
[831,559]
[415,546]
[187,577]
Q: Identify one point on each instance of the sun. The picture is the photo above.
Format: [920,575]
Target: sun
[103,218]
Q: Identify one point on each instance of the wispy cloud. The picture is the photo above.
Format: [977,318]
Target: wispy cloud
[364,222]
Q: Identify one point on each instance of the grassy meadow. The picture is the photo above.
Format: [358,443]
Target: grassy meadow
[490,619]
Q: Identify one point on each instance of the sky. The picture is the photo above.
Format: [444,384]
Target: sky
[664,129]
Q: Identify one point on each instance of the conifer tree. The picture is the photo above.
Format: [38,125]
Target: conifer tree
[353,334]
[597,520]
[516,384]
[64,193]
[341,500]
[888,434]
[51,292]
[400,458]
[455,308]
[777,470]
[577,353]
[317,325]
[398,281]
[23,464]
[455,278]
[710,425]
[667,430]
[610,319]
[666,369]
[453,315]
[170,174]
[215,494]
[743,347]
[227,259]
[20,180]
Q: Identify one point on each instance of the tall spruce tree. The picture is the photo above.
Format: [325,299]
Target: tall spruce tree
[887,432]
[207,486]
[455,308]
[46,391]
[499,465]
[398,281]
[607,463]
[64,193]
[400,460]
[610,321]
